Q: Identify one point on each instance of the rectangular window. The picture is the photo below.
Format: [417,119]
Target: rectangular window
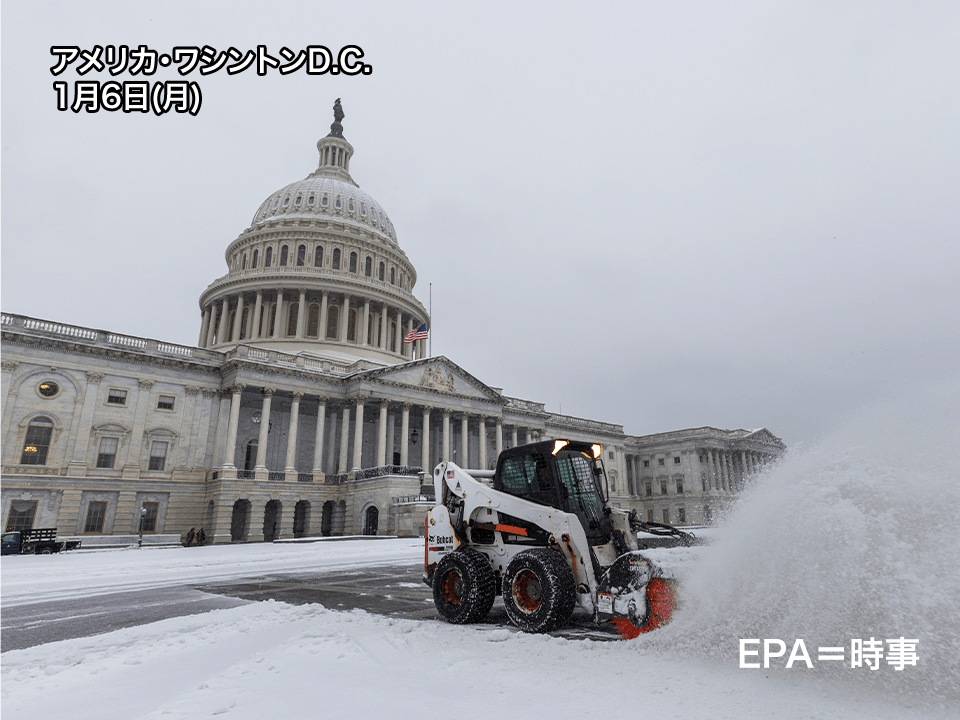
[117,397]
[676,461]
[165,402]
[158,455]
[96,512]
[108,452]
[679,486]
[649,490]
[150,516]
[646,463]
[649,515]
[666,515]
[610,455]
[21,515]
[660,461]
[663,487]
[682,514]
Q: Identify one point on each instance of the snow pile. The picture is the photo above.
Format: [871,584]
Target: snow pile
[854,539]
[273,660]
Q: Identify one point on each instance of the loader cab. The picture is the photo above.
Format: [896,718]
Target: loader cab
[565,475]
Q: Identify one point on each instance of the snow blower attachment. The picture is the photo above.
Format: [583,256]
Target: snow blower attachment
[540,532]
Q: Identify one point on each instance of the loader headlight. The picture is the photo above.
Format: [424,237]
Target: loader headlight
[597,449]
[559,445]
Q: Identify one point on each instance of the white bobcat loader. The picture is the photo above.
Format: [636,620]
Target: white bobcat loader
[542,535]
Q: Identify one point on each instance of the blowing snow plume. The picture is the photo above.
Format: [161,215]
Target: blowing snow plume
[852,539]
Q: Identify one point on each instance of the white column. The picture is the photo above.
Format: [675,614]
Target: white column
[254,333]
[301,313]
[231,446]
[278,317]
[344,318]
[499,437]
[224,322]
[292,431]
[204,326]
[318,440]
[405,434]
[465,440]
[212,325]
[382,435]
[384,329]
[358,433]
[323,315]
[445,438]
[366,323]
[238,319]
[344,438]
[264,429]
[425,448]
[482,432]
[513,436]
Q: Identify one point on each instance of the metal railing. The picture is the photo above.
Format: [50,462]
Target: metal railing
[383,470]
[414,499]
[246,474]
[276,476]
[305,477]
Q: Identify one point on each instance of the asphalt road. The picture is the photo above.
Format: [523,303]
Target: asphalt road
[392,590]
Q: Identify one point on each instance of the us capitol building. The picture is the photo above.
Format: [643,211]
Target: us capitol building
[308,406]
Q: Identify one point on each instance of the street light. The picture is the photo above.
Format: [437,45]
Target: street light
[143,514]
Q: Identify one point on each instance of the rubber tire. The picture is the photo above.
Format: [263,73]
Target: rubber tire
[464,587]
[45,551]
[552,606]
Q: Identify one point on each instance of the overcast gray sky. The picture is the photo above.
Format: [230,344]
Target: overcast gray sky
[663,215]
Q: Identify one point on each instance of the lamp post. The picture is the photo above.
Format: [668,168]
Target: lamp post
[143,514]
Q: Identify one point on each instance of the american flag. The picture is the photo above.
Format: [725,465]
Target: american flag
[419,334]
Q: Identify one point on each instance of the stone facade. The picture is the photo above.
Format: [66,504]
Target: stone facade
[303,410]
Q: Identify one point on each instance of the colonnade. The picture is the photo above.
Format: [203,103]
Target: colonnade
[722,470]
[322,315]
[474,432]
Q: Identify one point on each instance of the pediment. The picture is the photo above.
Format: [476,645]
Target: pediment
[437,373]
[764,437]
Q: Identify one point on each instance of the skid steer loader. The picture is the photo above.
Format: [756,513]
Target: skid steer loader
[543,535]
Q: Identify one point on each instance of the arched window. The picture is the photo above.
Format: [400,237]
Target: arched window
[263,314]
[243,322]
[353,262]
[268,258]
[292,319]
[393,337]
[244,265]
[37,442]
[318,256]
[256,257]
[368,267]
[301,255]
[283,255]
[313,320]
[352,325]
[336,258]
[381,271]
[333,322]
[393,276]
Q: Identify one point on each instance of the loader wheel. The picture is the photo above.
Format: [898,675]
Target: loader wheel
[464,587]
[539,591]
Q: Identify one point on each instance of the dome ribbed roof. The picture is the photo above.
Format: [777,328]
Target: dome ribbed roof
[319,195]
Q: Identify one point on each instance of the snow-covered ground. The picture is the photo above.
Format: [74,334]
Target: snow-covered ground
[835,544]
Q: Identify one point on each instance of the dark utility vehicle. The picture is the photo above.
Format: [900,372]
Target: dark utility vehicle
[39,541]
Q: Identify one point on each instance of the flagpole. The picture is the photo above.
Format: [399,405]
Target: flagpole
[430,336]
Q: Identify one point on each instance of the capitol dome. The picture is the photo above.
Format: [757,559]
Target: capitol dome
[318,271]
